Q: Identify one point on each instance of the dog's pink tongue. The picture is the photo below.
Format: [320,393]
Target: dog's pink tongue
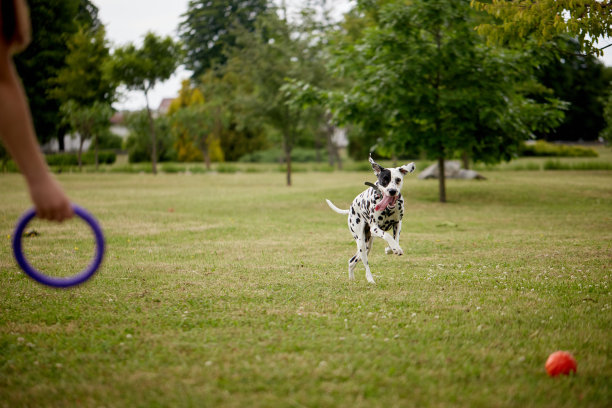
[386,201]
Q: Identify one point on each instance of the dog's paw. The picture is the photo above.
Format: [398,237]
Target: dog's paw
[398,251]
[388,251]
[369,277]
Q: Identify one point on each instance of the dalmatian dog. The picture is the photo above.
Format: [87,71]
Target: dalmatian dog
[375,211]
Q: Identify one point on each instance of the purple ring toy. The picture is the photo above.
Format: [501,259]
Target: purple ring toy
[53,281]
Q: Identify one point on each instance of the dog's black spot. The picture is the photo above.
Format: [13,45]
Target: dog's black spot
[353,210]
[380,217]
[384,177]
[357,220]
[353,258]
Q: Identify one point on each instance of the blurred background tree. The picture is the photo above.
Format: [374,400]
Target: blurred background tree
[88,121]
[422,79]
[139,143]
[53,22]
[546,20]
[208,30]
[581,80]
[195,127]
[82,78]
[142,68]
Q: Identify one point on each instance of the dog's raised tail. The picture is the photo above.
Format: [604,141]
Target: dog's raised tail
[336,209]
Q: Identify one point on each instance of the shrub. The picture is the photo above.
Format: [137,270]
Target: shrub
[226,168]
[542,148]
[72,159]
[557,165]
[173,168]
[298,155]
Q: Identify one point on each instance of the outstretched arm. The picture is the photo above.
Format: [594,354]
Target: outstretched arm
[17,133]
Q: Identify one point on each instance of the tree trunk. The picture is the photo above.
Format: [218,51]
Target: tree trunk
[332,150]
[96,151]
[287,149]
[466,160]
[441,180]
[206,158]
[60,140]
[317,143]
[288,160]
[81,141]
[153,138]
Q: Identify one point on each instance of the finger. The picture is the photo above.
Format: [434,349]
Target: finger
[66,213]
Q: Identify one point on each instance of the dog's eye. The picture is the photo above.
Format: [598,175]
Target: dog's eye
[398,180]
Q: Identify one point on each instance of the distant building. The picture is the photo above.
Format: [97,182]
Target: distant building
[339,137]
[117,126]
[164,106]
[71,144]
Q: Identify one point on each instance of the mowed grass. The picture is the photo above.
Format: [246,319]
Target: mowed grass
[232,290]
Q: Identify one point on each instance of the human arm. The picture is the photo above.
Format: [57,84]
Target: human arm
[18,136]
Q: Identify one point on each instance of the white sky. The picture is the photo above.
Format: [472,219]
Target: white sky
[129,21]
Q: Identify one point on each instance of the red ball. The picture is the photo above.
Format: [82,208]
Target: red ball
[560,362]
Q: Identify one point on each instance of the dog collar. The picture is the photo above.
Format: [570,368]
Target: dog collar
[377,191]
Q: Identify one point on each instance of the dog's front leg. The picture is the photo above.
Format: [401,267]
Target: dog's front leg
[395,248]
[396,236]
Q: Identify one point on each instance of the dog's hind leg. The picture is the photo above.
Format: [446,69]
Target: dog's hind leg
[363,251]
[364,244]
[352,265]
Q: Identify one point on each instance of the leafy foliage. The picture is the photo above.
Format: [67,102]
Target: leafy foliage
[606,133]
[71,159]
[53,22]
[582,81]
[83,79]
[586,20]
[279,51]
[87,121]
[423,78]
[209,29]
[542,148]
[139,142]
[239,127]
[142,68]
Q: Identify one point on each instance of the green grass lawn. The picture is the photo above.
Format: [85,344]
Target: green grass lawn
[232,290]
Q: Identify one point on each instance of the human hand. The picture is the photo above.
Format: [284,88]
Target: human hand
[49,199]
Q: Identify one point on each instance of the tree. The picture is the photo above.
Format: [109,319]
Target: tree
[142,68]
[194,127]
[53,21]
[87,122]
[139,143]
[277,52]
[585,20]
[580,80]
[423,78]
[239,127]
[606,133]
[208,30]
[82,79]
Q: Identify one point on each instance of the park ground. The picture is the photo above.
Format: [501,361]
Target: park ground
[229,289]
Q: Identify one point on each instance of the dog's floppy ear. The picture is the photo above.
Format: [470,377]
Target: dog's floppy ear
[377,167]
[408,168]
